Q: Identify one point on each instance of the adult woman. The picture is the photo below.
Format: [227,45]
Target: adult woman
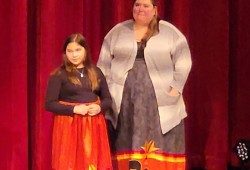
[146,62]
[78,94]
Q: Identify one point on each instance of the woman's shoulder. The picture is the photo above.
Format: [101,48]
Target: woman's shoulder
[125,25]
[167,26]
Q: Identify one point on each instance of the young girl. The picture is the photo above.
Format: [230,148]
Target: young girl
[78,95]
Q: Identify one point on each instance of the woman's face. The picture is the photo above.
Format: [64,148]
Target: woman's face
[76,54]
[143,11]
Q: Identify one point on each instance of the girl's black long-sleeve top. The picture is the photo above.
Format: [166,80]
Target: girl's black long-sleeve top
[60,88]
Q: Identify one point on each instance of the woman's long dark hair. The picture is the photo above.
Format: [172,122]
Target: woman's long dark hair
[71,69]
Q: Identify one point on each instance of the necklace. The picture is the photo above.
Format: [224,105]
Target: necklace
[81,73]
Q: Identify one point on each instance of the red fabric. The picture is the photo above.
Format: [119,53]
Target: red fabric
[208,85]
[80,142]
[150,161]
[239,109]
[217,91]
[13,88]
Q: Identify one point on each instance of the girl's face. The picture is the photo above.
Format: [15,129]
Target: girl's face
[76,54]
[143,11]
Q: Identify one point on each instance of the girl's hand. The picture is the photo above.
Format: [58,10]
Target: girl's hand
[94,109]
[81,109]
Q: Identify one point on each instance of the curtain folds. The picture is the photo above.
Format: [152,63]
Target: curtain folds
[13,48]
[216,94]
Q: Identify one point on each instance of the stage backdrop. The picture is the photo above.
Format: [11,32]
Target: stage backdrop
[217,92]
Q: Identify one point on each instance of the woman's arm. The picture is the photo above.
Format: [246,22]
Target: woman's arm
[182,62]
[105,57]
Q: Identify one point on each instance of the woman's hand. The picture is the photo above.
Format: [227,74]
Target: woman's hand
[173,92]
[94,109]
[81,109]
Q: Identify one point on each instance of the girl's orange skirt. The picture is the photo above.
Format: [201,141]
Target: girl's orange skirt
[80,143]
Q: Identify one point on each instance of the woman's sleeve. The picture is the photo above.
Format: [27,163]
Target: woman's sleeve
[52,97]
[105,57]
[181,58]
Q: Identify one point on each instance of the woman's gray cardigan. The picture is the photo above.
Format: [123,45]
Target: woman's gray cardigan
[168,60]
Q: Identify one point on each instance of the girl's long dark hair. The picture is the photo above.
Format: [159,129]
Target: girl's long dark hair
[71,69]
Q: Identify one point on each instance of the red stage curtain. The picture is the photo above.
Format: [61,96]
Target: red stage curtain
[207,124]
[217,91]
[13,70]
[239,87]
